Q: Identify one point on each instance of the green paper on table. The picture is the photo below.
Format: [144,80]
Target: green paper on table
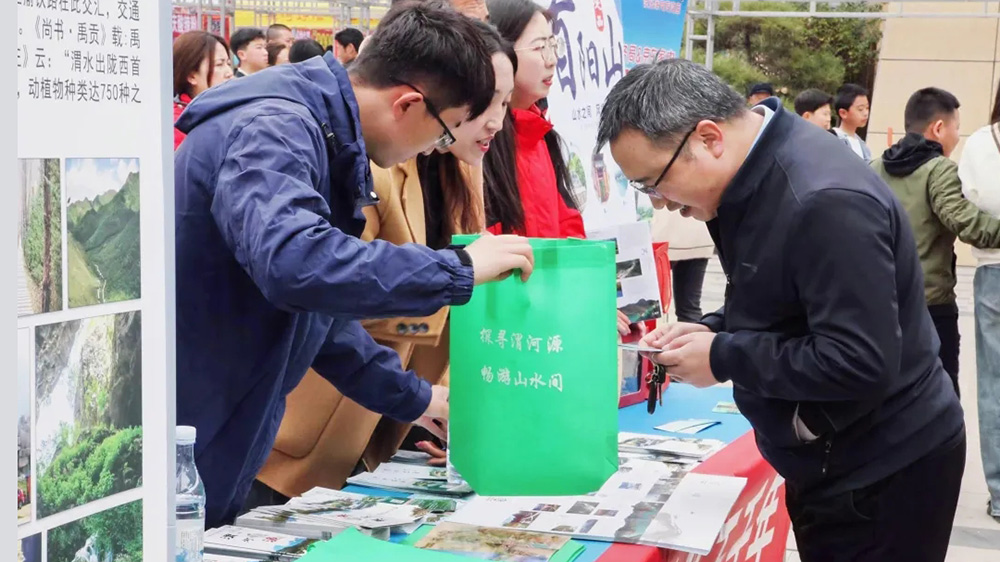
[354,546]
[567,553]
[534,376]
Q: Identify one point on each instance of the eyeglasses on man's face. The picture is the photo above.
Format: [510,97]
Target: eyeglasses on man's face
[447,138]
[650,190]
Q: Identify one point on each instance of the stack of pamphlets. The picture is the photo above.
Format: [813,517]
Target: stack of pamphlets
[411,478]
[321,513]
[505,545]
[253,544]
[678,449]
[645,502]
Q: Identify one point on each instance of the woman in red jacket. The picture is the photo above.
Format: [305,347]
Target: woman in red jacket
[539,203]
[201,60]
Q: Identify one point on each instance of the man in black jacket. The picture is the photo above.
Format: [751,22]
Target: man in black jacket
[824,333]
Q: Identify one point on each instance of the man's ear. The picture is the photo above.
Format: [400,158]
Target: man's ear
[405,103]
[807,115]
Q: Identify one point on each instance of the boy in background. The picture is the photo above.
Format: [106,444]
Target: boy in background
[926,181]
[815,107]
[852,105]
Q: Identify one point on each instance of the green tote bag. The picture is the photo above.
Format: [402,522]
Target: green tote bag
[534,381]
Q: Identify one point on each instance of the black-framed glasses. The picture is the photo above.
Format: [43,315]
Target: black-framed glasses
[553,49]
[447,138]
[651,189]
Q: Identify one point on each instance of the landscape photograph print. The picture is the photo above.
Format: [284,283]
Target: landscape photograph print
[114,535]
[102,218]
[39,237]
[23,426]
[88,410]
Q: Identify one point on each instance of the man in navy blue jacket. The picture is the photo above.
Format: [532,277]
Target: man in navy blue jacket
[824,333]
[271,279]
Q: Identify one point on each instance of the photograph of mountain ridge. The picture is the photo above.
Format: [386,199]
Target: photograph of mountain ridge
[102,216]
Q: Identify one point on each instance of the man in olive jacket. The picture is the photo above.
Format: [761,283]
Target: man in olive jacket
[925,180]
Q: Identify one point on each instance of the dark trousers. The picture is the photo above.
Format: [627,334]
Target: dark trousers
[945,317]
[905,517]
[688,278]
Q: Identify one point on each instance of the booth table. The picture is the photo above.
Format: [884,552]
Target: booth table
[757,527]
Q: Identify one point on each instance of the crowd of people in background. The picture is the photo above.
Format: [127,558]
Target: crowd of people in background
[326,185]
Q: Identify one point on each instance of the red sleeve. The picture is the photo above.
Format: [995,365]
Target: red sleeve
[178,137]
[570,222]
[495,229]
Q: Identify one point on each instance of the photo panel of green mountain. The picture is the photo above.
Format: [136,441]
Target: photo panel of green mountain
[88,410]
[23,426]
[637,285]
[114,535]
[102,217]
[39,237]
[534,376]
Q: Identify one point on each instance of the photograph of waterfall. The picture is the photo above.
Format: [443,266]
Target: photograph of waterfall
[39,238]
[23,426]
[114,535]
[102,218]
[88,410]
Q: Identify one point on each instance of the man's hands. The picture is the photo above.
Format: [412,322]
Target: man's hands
[495,257]
[435,418]
[686,350]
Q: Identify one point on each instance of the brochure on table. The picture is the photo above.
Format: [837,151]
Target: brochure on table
[645,502]
[94,266]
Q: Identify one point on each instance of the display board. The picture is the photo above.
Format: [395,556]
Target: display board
[604,38]
[95,375]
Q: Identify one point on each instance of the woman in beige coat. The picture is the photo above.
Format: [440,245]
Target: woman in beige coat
[690,247]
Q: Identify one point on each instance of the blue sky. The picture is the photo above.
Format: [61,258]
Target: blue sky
[87,178]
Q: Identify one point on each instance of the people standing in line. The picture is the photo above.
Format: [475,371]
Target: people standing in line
[280,33]
[277,53]
[925,179]
[824,332]
[271,279]
[348,42]
[852,106]
[542,205]
[759,92]
[304,49]
[425,200]
[815,107]
[250,47]
[690,247]
[201,61]
[979,170]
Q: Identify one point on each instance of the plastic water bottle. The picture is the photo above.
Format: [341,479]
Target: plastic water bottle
[190,498]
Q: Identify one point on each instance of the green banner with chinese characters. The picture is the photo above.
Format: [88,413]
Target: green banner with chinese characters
[534,380]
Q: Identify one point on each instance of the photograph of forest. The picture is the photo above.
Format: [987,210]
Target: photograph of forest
[23,426]
[102,217]
[39,238]
[88,410]
[114,535]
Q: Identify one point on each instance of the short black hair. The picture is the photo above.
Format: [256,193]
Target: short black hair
[927,105]
[808,101]
[430,45]
[350,36]
[846,95]
[304,49]
[244,36]
[761,88]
